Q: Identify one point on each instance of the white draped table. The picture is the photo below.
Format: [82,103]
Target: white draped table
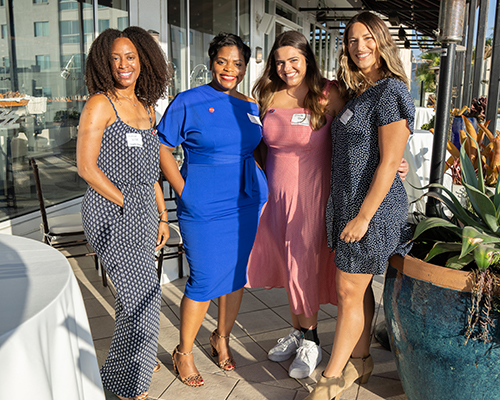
[46,349]
[418,153]
[422,116]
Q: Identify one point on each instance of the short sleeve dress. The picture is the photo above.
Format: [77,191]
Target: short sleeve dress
[290,249]
[355,158]
[224,190]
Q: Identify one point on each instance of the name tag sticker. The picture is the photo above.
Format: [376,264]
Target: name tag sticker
[346,116]
[254,118]
[301,119]
[134,139]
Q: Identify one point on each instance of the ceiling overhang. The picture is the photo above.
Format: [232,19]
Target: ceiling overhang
[419,15]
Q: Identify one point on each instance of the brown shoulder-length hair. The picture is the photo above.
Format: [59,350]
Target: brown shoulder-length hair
[351,79]
[269,83]
[155,75]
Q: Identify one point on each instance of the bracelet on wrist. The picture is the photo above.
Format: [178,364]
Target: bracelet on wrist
[165,222]
[163,212]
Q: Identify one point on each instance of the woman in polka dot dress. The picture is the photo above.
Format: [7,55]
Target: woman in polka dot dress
[368,207]
[118,156]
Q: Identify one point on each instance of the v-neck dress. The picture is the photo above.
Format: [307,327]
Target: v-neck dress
[290,249]
[224,190]
[355,158]
[124,239]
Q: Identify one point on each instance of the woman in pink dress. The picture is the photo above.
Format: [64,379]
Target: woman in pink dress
[297,106]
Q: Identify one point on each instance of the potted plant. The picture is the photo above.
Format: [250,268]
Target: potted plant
[443,318]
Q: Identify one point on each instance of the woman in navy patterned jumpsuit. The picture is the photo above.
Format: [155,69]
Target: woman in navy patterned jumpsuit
[118,156]
[368,207]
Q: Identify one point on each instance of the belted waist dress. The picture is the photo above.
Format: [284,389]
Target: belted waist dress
[224,190]
[124,239]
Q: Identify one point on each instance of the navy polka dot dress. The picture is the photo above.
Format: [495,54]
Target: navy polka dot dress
[355,158]
[124,239]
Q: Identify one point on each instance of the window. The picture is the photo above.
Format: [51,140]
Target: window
[43,62]
[68,5]
[122,23]
[88,26]
[39,61]
[41,29]
[5,67]
[70,32]
[103,24]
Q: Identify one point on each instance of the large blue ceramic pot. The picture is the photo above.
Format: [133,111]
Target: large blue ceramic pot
[426,314]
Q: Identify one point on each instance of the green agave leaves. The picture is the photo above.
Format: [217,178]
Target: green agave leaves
[475,237]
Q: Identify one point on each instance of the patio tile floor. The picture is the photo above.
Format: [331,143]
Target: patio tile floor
[263,318]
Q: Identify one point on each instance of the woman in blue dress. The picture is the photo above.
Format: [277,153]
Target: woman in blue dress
[220,194]
[368,207]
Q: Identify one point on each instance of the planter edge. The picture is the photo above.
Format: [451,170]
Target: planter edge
[436,275]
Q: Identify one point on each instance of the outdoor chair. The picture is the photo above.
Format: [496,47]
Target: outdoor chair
[63,230]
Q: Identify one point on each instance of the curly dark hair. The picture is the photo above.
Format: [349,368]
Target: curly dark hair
[228,39]
[155,76]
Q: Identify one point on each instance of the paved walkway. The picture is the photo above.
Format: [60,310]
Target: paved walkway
[264,317]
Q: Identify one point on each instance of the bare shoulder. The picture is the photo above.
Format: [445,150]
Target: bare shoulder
[98,102]
[98,110]
[335,101]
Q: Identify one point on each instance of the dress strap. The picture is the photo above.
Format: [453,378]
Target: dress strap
[116,112]
[149,116]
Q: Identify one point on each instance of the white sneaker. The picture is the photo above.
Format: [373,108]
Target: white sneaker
[307,359]
[286,347]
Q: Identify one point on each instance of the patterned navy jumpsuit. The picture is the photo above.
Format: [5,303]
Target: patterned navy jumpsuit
[124,239]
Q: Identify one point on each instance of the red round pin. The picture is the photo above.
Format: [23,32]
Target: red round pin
[211,109]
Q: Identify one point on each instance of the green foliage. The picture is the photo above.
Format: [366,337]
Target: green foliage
[67,117]
[425,73]
[471,237]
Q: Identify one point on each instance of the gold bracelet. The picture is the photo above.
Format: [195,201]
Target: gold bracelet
[163,212]
[165,222]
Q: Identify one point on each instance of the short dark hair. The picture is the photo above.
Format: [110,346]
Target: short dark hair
[228,39]
[155,75]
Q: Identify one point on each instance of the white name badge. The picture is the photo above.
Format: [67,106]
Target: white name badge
[301,119]
[254,118]
[346,116]
[134,139]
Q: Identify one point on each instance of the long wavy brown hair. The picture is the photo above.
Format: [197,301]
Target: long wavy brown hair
[155,75]
[351,80]
[270,82]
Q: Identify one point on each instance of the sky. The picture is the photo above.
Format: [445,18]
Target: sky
[491,18]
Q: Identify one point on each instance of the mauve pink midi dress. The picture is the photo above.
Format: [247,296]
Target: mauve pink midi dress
[291,249]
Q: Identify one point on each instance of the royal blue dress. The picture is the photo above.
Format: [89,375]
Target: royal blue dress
[224,190]
[355,158]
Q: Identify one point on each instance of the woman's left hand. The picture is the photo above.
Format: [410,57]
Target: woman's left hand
[163,235]
[354,230]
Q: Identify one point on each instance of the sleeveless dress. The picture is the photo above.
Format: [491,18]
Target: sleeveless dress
[356,156]
[124,239]
[224,190]
[290,249]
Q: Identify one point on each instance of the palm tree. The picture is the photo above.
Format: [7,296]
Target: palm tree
[426,70]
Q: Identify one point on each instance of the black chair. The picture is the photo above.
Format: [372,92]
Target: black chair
[175,239]
[64,230]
